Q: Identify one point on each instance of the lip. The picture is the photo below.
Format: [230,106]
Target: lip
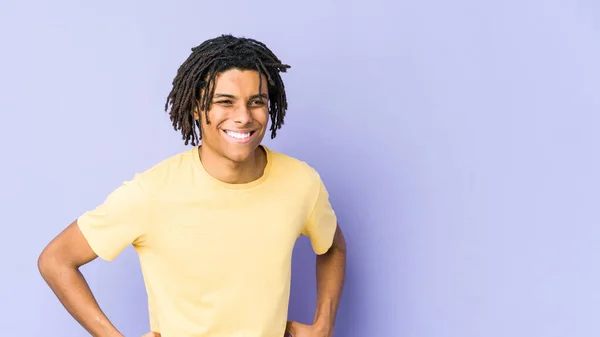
[240,141]
[241,130]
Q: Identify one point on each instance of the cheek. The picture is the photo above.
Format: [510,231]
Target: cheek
[212,128]
[216,116]
[262,116]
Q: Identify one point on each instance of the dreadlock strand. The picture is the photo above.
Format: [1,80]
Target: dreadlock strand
[210,92]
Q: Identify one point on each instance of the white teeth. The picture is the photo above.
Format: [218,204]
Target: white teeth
[238,135]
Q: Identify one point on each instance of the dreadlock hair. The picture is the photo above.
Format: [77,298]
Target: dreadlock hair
[194,84]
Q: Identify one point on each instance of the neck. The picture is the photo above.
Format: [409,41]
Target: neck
[231,172]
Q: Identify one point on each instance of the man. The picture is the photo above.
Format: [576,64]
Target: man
[214,226]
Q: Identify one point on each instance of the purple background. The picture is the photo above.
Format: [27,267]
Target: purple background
[459,141]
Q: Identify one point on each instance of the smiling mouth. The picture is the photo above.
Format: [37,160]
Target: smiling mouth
[240,136]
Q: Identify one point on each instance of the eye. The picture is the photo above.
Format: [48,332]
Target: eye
[259,102]
[225,102]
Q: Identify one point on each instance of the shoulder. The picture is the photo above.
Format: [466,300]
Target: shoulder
[163,172]
[294,169]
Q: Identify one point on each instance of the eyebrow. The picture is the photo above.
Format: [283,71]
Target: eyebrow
[220,95]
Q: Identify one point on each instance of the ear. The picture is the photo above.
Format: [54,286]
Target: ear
[198,118]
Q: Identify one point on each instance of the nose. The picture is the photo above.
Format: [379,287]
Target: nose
[243,116]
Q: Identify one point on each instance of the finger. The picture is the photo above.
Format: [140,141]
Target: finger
[289,328]
[152,334]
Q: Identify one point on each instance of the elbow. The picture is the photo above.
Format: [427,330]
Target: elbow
[45,263]
[49,263]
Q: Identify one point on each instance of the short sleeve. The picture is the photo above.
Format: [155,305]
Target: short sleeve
[119,221]
[154,326]
[322,222]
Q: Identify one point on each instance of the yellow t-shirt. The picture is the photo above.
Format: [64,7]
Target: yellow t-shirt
[215,257]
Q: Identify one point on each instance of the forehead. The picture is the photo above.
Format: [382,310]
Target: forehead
[240,82]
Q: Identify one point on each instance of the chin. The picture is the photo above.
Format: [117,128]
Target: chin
[240,155]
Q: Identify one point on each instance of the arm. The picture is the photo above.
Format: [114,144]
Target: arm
[329,244]
[331,268]
[59,265]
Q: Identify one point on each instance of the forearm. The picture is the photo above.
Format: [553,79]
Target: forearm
[330,280]
[73,292]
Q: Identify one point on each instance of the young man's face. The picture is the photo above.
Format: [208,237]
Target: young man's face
[238,115]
